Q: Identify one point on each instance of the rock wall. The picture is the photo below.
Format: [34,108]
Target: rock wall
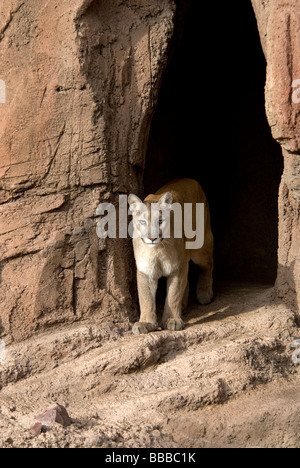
[82,80]
[279,24]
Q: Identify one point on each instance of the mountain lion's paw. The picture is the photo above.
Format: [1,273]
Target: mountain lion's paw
[175,324]
[142,328]
[204,297]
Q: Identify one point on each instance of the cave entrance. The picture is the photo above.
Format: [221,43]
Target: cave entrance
[210,124]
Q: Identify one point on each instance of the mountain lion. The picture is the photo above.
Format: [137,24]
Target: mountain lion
[159,256]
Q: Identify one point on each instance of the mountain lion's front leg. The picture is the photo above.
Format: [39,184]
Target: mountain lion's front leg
[176,287]
[147,288]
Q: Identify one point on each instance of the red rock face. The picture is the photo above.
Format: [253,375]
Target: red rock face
[279,23]
[81,84]
[79,96]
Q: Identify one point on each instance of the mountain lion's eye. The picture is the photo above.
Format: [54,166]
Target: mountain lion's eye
[142,222]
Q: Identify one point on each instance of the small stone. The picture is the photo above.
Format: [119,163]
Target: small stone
[56,414]
[36,430]
[62,416]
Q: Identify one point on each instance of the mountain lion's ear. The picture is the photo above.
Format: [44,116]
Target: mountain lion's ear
[132,199]
[166,199]
[135,203]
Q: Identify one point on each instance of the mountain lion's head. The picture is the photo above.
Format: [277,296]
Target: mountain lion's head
[151,218]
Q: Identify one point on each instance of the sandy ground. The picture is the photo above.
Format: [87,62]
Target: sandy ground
[227,380]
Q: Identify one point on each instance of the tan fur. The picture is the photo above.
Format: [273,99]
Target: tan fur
[169,258]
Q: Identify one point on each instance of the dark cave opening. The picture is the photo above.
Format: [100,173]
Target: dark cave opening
[210,124]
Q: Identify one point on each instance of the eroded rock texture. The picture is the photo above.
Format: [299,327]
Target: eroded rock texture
[82,80]
[279,23]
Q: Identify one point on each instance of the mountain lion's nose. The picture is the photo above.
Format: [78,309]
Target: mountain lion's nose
[153,238]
